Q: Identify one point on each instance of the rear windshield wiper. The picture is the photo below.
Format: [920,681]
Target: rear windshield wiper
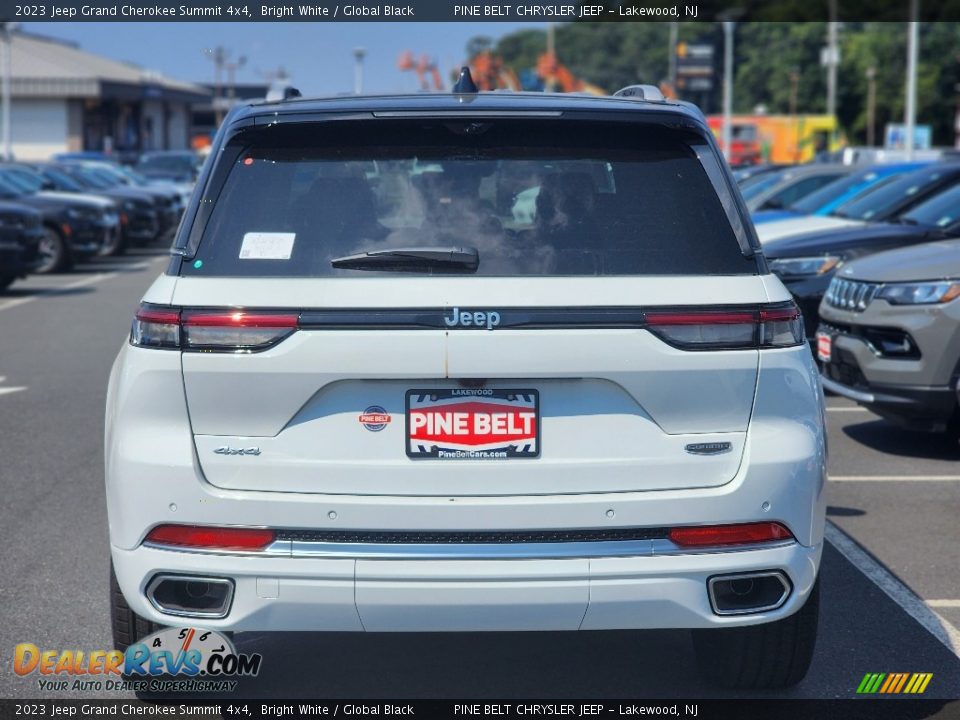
[413,259]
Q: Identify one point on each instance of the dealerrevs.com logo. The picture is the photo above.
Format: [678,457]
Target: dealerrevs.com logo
[172,660]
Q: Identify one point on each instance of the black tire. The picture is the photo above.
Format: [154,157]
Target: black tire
[772,655]
[127,626]
[55,255]
[5,281]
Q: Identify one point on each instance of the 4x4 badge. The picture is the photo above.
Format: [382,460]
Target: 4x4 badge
[226,450]
[714,448]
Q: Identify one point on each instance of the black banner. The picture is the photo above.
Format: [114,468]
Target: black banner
[469,10]
[890,709]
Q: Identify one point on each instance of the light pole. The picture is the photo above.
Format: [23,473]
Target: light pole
[358,54]
[871,105]
[832,60]
[794,92]
[910,112]
[727,136]
[672,57]
[5,55]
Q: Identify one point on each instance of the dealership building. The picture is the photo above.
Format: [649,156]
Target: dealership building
[65,99]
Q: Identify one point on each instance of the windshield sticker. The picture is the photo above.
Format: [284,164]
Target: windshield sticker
[267,246]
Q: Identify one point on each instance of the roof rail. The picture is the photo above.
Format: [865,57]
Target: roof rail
[650,93]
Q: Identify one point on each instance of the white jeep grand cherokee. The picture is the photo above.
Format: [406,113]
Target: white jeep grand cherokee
[470,362]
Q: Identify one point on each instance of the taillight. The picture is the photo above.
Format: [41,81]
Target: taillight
[212,538]
[236,330]
[156,328]
[743,534]
[768,326]
[211,330]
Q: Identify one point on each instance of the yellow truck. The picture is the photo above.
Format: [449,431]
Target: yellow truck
[779,138]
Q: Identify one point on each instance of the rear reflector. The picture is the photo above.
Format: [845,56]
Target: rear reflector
[744,534]
[211,538]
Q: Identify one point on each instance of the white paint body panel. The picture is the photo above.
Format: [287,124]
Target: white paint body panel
[153,476]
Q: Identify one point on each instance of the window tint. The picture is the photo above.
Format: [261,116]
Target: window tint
[878,202]
[830,192]
[801,189]
[939,211]
[532,199]
[762,184]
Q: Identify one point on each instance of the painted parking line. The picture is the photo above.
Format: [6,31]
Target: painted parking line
[847,409]
[911,603]
[944,603]
[894,478]
[82,282]
[8,390]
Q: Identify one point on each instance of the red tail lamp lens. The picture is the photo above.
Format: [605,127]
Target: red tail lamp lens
[744,534]
[213,538]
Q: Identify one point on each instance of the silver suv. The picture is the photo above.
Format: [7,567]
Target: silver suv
[471,362]
[890,335]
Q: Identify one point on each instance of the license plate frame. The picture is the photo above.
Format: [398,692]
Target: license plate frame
[517,403]
[824,347]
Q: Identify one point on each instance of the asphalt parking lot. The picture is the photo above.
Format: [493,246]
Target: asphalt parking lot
[891,579]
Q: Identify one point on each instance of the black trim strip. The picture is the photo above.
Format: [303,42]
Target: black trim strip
[499,537]
[509,318]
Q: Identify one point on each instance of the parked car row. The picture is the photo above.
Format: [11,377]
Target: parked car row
[873,260]
[54,214]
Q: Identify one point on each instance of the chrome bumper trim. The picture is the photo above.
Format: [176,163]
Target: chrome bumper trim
[486,551]
[835,387]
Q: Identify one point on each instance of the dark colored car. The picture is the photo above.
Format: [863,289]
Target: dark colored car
[21,230]
[33,181]
[172,165]
[807,263]
[140,219]
[167,200]
[72,228]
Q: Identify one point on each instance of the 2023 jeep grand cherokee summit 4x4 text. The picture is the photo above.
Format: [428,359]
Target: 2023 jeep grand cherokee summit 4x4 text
[470,362]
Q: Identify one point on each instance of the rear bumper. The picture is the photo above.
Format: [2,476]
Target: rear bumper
[324,594]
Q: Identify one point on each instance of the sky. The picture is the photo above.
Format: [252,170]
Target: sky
[318,56]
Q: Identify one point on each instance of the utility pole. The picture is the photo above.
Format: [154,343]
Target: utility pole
[231,69]
[6,30]
[871,105]
[672,57]
[219,56]
[832,60]
[794,92]
[910,112]
[358,54]
[728,27]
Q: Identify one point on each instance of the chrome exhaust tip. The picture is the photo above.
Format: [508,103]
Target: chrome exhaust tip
[190,595]
[745,593]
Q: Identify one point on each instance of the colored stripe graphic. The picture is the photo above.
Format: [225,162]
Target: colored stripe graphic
[894,683]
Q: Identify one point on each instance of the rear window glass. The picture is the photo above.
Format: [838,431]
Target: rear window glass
[530,198]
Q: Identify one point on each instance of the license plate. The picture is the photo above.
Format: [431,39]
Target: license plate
[473,424]
[824,346]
